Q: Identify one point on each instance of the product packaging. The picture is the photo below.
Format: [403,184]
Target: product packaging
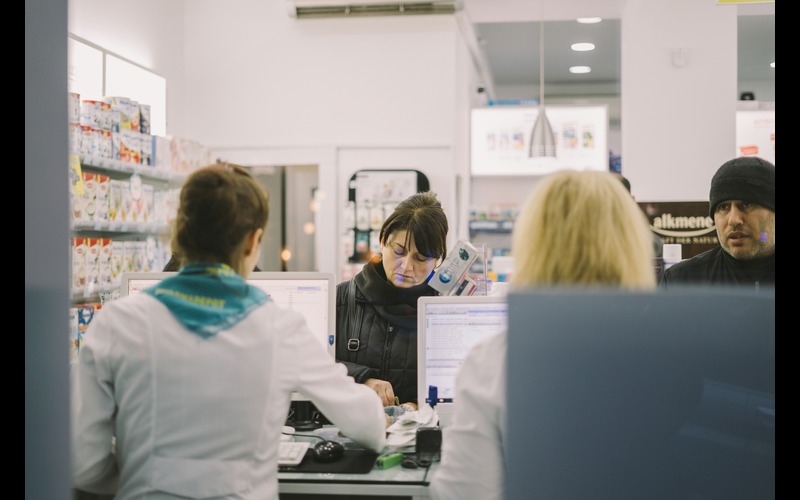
[89,196]
[144,118]
[93,261]
[451,278]
[102,191]
[73,107]
[80,274]
[104,263]
[117,261]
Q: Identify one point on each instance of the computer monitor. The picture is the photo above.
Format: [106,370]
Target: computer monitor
[665,394]
[311,293]
[447,327]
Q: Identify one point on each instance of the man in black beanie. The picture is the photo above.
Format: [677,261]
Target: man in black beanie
[742,203]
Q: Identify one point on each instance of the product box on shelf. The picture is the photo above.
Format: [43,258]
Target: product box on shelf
[148,192]
[160,207]
[96,114]
[89,196]
[88,142]
[146,148]
[103,189]
[162,153]
[80,275]
[93,261]
[118,200]
[173,199]
[128,146]
[117,261]
[136,197]
[188,155]
[144,118]
[76,203]
[151,261]
[129,113]
[86,313]
[75,135]
[129,255]
[104,144]
[104,263]
[139,256]
[73,107]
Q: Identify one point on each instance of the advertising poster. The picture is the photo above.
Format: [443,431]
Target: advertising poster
[686,223]
[500,140]
[755,134]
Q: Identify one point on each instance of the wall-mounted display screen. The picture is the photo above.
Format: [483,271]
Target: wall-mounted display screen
[500,140]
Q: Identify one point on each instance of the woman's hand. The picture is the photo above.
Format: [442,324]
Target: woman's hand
[383,389]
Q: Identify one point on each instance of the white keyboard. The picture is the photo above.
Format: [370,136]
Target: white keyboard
[292,452]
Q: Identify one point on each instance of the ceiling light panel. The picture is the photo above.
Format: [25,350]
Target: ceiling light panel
[582,46]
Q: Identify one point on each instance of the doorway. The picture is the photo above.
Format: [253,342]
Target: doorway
[289,241]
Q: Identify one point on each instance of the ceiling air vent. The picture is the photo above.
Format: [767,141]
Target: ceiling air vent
[308,9]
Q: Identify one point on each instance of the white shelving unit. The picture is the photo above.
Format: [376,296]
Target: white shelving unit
[120,230]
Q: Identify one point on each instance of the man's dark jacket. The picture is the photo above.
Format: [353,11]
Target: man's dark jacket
[716,266]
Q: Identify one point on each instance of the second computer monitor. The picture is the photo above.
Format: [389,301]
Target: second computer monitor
[447,328]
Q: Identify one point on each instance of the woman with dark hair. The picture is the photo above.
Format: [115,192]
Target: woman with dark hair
[376,310]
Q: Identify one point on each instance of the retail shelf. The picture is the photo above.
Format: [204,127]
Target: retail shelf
[121,227]
[107,164]
[93,293]
[491,226]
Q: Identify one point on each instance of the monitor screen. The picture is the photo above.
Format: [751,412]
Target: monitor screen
[666,394]
[447,327]
[311,293]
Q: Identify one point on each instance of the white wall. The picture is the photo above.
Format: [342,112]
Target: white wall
[257,77]
[382,92]
[147,32]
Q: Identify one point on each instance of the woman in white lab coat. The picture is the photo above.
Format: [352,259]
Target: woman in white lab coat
[182,391]
[577,228]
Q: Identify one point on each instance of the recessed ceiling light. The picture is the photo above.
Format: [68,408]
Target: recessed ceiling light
[582,46]
[589,20]
[580,69]
[772,64]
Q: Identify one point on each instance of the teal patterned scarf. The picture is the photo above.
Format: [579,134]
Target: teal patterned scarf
[208,298]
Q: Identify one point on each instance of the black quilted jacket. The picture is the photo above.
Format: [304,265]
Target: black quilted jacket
[376,329]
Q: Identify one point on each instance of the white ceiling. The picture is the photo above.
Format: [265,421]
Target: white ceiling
[508,35]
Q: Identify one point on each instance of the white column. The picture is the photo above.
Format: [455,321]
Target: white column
[678,96]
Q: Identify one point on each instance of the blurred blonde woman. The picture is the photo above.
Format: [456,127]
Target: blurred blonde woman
[577,228]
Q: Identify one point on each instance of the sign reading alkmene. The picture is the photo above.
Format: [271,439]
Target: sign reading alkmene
[686,223]
[501,136]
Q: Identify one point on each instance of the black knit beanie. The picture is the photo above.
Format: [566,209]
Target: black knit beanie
[747,178]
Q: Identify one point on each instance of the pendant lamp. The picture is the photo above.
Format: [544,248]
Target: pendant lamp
[543,142]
